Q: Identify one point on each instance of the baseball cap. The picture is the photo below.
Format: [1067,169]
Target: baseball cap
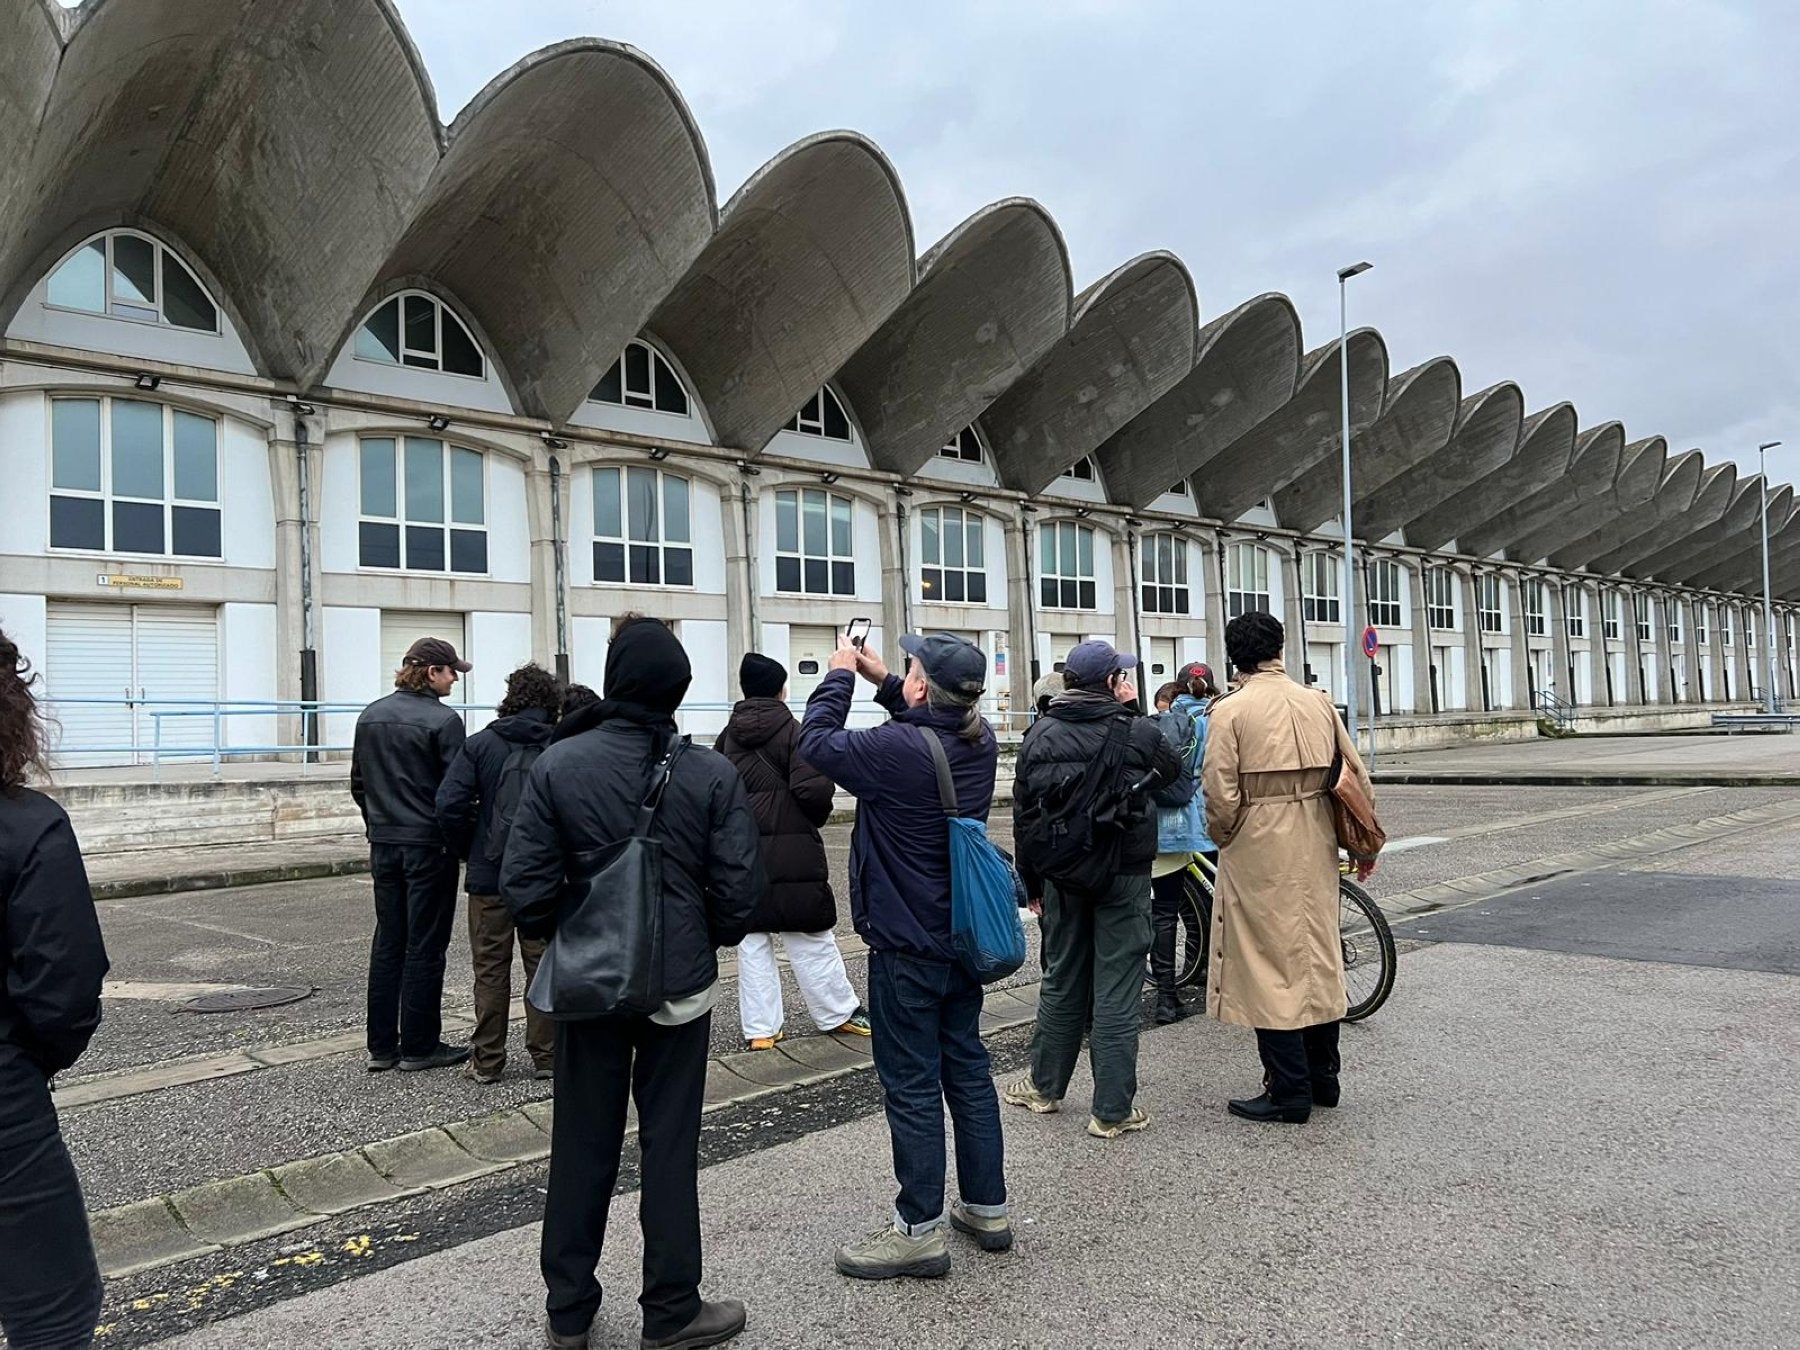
[435,652]
[1092,662]
[953,663]
[1195,670]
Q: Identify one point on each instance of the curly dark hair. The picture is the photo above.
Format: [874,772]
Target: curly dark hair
[21,721]
[531,686]
[576,697]
[1169,693]
[1251,639]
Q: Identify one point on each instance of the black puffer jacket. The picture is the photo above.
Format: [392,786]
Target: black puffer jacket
[791,800]
[1070,737]
[51,961]
[405,744]
[466,798]
[584,794]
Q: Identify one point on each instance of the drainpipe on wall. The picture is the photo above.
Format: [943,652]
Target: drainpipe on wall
[1027,529]
[905,574]
[556,554]
[309,654]
[752,581]
[1134,562]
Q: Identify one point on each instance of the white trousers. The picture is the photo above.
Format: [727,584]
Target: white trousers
[818,969]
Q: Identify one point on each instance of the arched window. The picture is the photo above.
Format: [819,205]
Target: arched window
[822,416]
[1082,471]
[1488,611]
[1066,566]
[1246,580]
[418,330]
[424,506]
[965,446]
[133,477]
[643,530]
[952,556]
[1320,598]
[1384,593]
[642,378]
[814,550]
[1575,610]
[1537,609]
[1165,569]
[131,276]
[1440,599]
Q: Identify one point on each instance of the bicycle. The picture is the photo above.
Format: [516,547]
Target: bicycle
[1370,958]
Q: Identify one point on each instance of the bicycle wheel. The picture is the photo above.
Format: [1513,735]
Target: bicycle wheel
[1192,934]
[1369,956]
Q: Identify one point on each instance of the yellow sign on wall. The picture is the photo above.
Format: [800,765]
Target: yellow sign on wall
[126,581]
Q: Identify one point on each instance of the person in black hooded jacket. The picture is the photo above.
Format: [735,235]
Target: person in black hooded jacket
[474,810]
[792,800]
[584,795]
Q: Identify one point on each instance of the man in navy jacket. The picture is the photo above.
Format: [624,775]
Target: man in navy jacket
[924,1007]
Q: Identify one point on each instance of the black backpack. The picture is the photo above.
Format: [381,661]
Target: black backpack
[1183,735]
[1074,831]
[513,774]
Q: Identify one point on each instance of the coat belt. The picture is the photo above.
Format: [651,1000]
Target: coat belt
[1307,796]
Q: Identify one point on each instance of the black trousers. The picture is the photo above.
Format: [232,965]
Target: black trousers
[415,910]
[49,1280]
[1296,1062]
[1167,914]
[663,1069]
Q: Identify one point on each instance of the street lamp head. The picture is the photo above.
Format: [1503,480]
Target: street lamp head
[1767,445]
[1354,270]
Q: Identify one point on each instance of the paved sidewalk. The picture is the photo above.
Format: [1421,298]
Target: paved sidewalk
[1534,1148]
[1670,760]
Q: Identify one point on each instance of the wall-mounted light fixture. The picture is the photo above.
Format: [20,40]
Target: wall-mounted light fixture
[967,497]
[748,469]
[828,478]
[555,443]
[659,453]
[438,423]
[298,408]
[147,382]
[1083,512]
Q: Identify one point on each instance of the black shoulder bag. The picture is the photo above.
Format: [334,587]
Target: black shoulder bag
[606,959]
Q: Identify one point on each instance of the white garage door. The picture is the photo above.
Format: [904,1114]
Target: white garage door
[141,660]
[809,656]
[400,628]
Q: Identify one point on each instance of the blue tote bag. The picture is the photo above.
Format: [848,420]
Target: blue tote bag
[985,928]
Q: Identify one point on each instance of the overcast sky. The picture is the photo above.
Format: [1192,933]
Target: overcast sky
[1599,199]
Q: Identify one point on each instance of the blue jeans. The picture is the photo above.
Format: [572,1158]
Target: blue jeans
[926,1017]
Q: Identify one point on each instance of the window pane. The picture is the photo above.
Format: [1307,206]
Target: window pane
[843,578]
[609,562]
[466,489]
[134,269]
[787,574]
[953,586]
[931,583]
[953,544]
[928,538]
[425,482]
[787,523]
[421,326]
[1047,548]
[379,338]
[607,521]
[840,527]
[978,588]
[75,442]
[1071,595]
[818,576]
[1047,592]
[378,490]
[379,545]
[77,522]
[640,503]
[196,458]
[670,396]
[137,528]
[80,283]
[1066,554]
[678,567]
[814,520]
[837,426]
[637,376]
[468,551]
[196,531]
[184,304]
[610,390]
[676,529]
[425,548]
[461,355]
[977,532]
[1085,544]
[137,452]
[646,569]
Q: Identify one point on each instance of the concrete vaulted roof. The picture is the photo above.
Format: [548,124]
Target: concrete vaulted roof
[812,256]
[30,46]
[1711,543]
[1738,556]
[1540,453]
[1743,571]
[1640,472]
[1674,495]
[575,194]
[1583,474]
[1487,430]
[1245,366]
[1132,338]
[1302,433]
[1415,424]
[993,296]
[1717,488]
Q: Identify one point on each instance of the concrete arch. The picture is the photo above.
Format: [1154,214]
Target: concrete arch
[1737,558]
[1672,496]
[1591,500]
[1416,423]
[575,194]
[30,48]
[1710,543]
[1302,433]
[1487,433]
[992,297]
[286,144]
[1546,440]
[1131,338]
[1245,366]
[811,256]
[1715,493]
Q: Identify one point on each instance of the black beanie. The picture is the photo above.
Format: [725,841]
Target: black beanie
[761,676]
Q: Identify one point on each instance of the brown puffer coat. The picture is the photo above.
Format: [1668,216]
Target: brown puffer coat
[792,800]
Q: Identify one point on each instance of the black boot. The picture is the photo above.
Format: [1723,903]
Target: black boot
[1169,1008]
[1162,968]
[1266,1110]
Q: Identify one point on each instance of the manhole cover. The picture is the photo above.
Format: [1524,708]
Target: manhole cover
[244,1000]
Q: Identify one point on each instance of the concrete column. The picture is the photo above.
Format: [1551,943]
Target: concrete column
[1472,696]
[1667,692]
[894,570]
[1421,638]
[1715,653]
[1214,582]
[1518,639]
[1127,630]
[1021,610]
[284,481]
[1293,617]
[1594,598]
[1560,656]
[1690,646]
[741,629]
[540,523]
[1787,656]
[1740,635]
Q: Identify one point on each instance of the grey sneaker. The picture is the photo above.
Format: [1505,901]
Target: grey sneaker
[890,1253]
[1024,1093]
[1112,1129]
[486,1077]
[714,1324]
[559,1340]
[380,1063]
[441,1058]
[993,1232]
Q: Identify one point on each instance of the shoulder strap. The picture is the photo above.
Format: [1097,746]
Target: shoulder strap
[658,785]
[941,761]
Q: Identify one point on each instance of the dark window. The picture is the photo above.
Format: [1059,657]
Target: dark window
[379,545]
[196,532]
[137,527]
[77,522]
[638,392]
[421,332]
[611,387]
[837,426]
[185,304]
[678,567]
[609,562]
[787,574]
[468,551]
[425,548]
[461,355]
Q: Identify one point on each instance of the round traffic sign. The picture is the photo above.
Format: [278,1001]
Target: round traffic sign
[1371,642]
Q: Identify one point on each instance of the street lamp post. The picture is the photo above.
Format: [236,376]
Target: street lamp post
[1771,703]
[1349,587]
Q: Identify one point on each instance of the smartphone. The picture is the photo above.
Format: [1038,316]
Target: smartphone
[857,630]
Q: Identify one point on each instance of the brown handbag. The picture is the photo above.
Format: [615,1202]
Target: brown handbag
[1353,815]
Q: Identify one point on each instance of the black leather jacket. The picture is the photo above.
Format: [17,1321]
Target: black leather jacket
[405,744]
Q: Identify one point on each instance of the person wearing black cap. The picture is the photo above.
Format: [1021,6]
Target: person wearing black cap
[792,800]
[924,1007]
[405,744]
[584,796]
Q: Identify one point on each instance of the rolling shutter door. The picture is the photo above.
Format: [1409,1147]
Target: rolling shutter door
[400,628]
[88,655]
[177,664]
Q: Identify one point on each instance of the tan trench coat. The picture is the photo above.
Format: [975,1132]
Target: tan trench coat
[1277,961]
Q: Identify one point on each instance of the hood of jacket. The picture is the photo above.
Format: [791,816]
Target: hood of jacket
[1082,705]
[530,727]
[757,721]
